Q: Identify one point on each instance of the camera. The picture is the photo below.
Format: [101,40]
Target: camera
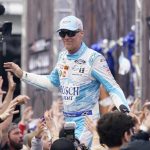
[5,27]
[69,133]
[69,130]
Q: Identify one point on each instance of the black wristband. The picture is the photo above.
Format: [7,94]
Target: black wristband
[124,109]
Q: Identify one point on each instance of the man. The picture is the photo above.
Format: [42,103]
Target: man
[115,129]
[78,74]
[15,138]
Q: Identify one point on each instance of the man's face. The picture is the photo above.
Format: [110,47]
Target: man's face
[72,44]
[16,139]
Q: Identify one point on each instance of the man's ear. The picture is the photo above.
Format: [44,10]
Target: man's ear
[82,33]
[126,137]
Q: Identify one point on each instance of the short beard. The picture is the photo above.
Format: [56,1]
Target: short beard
[16,146]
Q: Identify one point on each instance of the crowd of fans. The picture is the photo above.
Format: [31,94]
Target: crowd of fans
[113,131]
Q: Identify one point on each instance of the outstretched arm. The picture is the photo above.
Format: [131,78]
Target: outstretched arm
[41,81]
[9,96]
[101,72]
[1,90]
[14,68]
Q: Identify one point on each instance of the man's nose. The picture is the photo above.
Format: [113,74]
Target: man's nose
[21,135]
[66,36]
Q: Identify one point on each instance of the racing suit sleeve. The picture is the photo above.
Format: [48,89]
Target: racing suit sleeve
[100,71]
[46,82]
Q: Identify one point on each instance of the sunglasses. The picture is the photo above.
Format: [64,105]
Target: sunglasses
[63,33]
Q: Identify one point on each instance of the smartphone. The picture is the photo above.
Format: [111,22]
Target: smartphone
[69,130]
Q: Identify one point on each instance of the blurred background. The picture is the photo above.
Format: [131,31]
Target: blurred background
[119,29]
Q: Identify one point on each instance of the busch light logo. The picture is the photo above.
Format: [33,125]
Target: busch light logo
[69,94]
[70,91]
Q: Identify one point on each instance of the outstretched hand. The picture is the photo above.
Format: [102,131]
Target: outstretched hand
[14,68]
[10,110]
[21,99]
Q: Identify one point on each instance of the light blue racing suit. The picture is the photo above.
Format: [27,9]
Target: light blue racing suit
[79,76]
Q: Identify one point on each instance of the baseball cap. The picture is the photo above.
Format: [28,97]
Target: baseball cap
[70,23]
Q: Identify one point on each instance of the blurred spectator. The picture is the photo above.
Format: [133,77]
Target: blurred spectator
[15,138]
[115,129]
[140,141]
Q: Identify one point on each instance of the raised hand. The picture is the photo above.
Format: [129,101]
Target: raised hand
[146,122]
[49,120]
[27,115]
[11,83]
[1,83]
[1,91]
[135,105]
[9,111]
[14,68]
[90,124]
[21,99]
[56,114]
[39,129]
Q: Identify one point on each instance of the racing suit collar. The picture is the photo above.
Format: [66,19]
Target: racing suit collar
[78,53]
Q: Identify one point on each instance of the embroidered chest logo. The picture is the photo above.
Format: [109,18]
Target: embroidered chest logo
[81,70]
[80,63]
[64,71]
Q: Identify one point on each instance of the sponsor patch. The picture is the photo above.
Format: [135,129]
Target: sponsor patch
[81,70]
[66,67]
[80,61]
[69,94]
